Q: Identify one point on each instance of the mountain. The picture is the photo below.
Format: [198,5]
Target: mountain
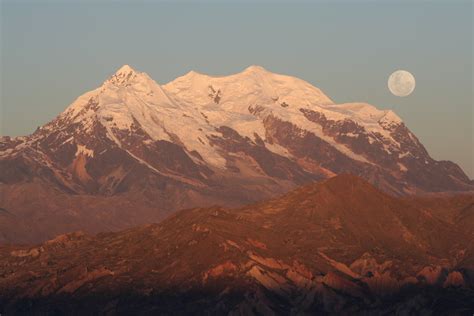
[132,151]
[337,247]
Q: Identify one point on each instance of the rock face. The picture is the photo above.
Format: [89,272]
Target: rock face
[197,141]
[284,256]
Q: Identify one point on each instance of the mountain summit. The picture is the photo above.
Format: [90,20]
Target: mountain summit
[125,69]
[201,140]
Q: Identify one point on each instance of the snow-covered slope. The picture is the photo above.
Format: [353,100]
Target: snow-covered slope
[193,106]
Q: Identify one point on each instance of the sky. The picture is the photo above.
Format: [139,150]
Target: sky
[54,51]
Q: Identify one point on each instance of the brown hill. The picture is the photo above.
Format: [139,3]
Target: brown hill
[340,246]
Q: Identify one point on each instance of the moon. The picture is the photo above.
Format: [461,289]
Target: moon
[401,83]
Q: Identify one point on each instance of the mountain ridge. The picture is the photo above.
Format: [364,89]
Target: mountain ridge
[308,251]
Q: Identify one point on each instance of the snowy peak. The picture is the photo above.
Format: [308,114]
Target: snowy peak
[252,69]
[253,85]
[126,97]
[124,70]
[126,76]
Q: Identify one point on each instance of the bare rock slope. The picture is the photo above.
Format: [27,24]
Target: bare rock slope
[338,247]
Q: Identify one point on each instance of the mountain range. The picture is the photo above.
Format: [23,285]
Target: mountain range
[133,151]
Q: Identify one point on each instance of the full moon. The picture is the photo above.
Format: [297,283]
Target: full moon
[401,83]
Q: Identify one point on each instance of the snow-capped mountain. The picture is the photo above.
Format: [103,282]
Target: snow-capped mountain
[201,140]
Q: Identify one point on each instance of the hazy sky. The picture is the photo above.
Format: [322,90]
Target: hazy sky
[51,52]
